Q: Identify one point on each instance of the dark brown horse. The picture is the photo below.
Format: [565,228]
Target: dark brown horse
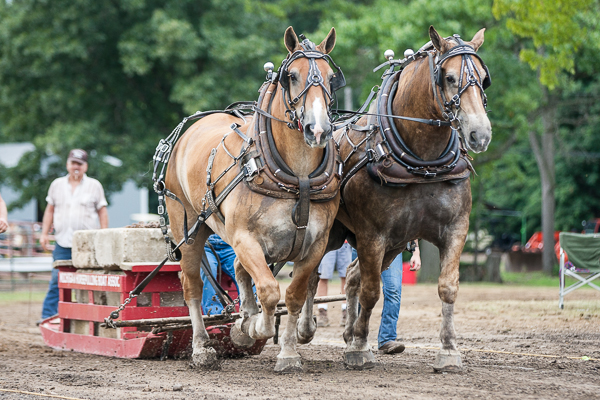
[414,184]
[264,224]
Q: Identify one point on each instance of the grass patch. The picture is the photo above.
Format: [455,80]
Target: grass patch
[538,279]
[7,298]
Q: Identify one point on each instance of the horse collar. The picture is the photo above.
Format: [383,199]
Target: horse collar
[275,178]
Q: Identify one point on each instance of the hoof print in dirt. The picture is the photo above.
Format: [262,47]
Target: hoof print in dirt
[206,359]
[448,361]
[359,360]
[288,365]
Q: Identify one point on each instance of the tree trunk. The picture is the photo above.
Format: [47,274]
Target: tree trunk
[544,156]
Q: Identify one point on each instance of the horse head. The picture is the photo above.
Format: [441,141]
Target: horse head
[461,78]
[308,84]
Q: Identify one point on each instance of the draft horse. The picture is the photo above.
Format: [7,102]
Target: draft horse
[405,177]
[285,156]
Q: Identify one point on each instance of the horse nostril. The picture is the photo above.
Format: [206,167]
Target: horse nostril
[473,137]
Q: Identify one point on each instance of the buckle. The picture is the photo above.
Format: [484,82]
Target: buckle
[251,168]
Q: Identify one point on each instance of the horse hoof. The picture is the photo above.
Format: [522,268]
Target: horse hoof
[448,361]
[304,340]
[240,339]
[206,358]
[359,359]
[288,365]
[305,333]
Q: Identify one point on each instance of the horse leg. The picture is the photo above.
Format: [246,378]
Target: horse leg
[358,354]
[306,324]
[248,306]
[203,355]
[288,359]
[352,288]
[257,325]
[448,359]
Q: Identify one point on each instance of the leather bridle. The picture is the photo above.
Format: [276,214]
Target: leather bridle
[313,78]
[450,107]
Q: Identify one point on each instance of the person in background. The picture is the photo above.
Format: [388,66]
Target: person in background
[391,278]
[217,251]
[3,216]
[338,259]
[75,202]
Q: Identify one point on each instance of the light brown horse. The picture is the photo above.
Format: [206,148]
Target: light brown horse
[260,228]
[379,219]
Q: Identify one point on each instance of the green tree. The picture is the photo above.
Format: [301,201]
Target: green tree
[115,77]
[556,32]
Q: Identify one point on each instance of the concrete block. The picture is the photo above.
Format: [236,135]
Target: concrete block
[118,248]
[172,299]
[62,263]
[108,333]
[82,253]
[80,327]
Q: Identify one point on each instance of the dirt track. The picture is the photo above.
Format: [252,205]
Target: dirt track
[516,320]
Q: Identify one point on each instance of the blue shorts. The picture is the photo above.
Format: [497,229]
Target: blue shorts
[336,260]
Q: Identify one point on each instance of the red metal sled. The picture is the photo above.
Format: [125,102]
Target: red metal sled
[85,299]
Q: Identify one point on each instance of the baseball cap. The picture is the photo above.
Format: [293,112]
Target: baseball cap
[78,155]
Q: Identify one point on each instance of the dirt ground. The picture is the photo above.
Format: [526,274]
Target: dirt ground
[506,335]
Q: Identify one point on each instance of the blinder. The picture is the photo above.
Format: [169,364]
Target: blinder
[338,81]
[284,79]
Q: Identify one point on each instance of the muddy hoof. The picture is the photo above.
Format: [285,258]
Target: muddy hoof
[206,358]
[304,340]
[448,361]
[288,365]
[359,359]
[240,339]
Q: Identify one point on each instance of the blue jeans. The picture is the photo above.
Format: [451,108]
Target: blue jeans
[392,293]
[50,307]
[227,256]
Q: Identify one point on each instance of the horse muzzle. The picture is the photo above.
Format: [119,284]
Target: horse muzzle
[477,131]
[478,141]
[317,135]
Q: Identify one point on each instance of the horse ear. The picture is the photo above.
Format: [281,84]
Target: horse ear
[328,43]
[438,42]
[477,40]
[290,39]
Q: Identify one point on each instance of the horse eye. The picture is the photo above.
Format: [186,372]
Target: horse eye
[293,77]
[450,79]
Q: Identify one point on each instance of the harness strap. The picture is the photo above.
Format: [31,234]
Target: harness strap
[209,193]
[361,163]
[300,214]
[433,85]
[275,268]
[213,206]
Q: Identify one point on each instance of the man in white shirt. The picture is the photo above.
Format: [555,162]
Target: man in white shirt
[75,202]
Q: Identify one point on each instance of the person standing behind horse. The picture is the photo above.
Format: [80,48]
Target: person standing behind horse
[75,202]
[3,216]
[219,254]
[392,295]
[334,260]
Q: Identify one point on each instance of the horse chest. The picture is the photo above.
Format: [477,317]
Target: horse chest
[269,221]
